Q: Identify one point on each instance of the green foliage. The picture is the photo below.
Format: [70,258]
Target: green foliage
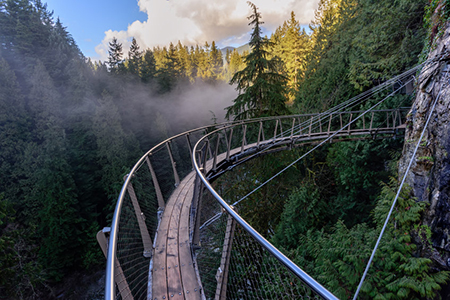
[358,168]
[235,64]
[437,13]
[22,276]
[303,210]
[338,259]
[291,45]
[115,59]
[134,59]
[345,176]
[261,86]
[357,45]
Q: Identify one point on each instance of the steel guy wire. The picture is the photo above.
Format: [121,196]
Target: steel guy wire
[398,191]
[355,100]
[363,96]
[317,146]
[315,120]
[342,106]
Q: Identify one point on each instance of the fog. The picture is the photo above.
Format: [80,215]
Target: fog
[197,105]
[154,117]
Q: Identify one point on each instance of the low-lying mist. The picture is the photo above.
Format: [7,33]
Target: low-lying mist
[154,117]
[191,106]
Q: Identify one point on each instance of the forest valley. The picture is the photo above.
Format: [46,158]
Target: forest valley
[71,128]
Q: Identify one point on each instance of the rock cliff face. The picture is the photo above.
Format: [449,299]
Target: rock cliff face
[429,176]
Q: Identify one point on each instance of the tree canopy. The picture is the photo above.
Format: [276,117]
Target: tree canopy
[261,85]
[71,128]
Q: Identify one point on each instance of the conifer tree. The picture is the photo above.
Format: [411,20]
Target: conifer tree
[115,58]
[201,54]
[291,45]
[236,64]
[215,61]
[194,61]
[168,68]
[148,71]
[182,53]
[134,59]
[261,86]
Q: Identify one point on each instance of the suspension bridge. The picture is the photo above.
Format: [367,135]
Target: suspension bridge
[179,239]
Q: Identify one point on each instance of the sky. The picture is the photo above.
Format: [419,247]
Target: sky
[93,23]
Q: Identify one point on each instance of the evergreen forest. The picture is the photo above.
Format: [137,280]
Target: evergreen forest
[71,129]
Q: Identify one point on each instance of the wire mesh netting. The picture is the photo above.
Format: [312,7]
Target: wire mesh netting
[153,180]
[132,263]
[256,274]
[252,272]
[232,264]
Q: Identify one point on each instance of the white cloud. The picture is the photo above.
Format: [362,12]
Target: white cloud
[197,21]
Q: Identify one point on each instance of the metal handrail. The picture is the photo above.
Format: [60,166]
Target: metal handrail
[308,280]
[112,246]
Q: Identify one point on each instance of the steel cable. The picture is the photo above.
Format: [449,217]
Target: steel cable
[398,193]
[314,148]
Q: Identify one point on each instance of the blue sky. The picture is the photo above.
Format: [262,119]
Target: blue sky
[88,21]
[93,23]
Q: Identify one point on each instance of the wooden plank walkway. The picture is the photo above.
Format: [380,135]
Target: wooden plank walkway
[173,273]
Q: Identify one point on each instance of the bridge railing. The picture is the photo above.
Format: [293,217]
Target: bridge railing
[234,260]
[128,244]
[152,179]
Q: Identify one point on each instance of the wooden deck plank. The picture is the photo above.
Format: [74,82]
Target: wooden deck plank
[173,267]
[159,270]
[191,287]
[174,284]
[164,254]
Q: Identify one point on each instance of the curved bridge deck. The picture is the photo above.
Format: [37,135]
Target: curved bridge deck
[173,273]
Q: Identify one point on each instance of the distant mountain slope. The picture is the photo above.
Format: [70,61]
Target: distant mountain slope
[243,48]
[239,49]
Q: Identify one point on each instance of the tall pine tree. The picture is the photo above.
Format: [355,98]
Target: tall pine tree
[134,59]
[115,58]
[261,86]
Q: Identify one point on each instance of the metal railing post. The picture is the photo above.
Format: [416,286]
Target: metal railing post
[222,272]
[174,164]
[371,123]
[320,124]
[215,152]
[293,126]
[329,124]
[146,240]
[159,195]
[244,141]
[275,131]
[229,144]
[188,140]
[310,126]
[119,278]
[349,123]
[259,134]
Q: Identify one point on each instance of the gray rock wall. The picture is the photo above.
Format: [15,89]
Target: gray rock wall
[429,176]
